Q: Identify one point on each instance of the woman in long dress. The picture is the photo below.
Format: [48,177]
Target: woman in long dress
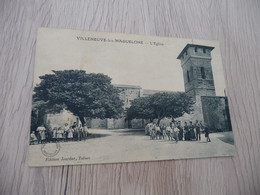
[70,134]
[191,129]
[54,134]
[59,134]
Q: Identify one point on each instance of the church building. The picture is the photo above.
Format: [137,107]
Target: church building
[199,84]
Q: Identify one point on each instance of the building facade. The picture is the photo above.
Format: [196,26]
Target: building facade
[128,93]
[199,84]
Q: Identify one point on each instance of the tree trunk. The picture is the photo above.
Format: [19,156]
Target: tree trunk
[159,119]
[40,116]
[82,120]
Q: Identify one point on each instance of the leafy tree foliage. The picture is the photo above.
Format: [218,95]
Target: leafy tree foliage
[160,105]
[141,108]
[85,95]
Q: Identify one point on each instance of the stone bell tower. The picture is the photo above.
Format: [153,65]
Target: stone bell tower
[197,73]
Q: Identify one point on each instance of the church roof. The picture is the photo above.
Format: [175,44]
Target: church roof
[147,92]
[189,45]
[127,86]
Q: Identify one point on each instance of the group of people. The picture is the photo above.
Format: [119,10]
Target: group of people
[175,131]
[67,133]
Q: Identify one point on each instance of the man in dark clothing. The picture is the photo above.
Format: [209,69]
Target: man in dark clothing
[197,127]
[207,133]
[186,131]
[191,130]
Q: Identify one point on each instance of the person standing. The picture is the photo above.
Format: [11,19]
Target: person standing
[197,129]
[186,132]
[85,131]
[201,127]
[59,134]
[49,134]
[70,134]
[168,131]
[80,132]
[43,136]
[176,132]
[153,135]
[54,134]
[41,133]
[75,132]
[158,131]
[180,130]
[191,130]
[172,131]
[66,130]
[33,138]
[163,129]
[207,133]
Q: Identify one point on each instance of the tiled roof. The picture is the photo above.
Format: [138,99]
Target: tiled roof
[151,92]
[127,86]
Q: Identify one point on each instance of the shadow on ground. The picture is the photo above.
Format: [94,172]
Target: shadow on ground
[227,137]
[96,135]
[136,132]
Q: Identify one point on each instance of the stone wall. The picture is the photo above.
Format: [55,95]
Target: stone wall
[215,112]
[119,123]
[97,123]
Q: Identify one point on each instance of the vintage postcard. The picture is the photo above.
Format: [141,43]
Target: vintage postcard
[108,97]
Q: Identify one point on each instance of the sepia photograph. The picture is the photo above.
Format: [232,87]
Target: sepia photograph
[107,98]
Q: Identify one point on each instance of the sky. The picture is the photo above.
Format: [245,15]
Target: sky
[146,65]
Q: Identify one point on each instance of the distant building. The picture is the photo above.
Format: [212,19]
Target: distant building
[128,93]
[148,92]
[131,92]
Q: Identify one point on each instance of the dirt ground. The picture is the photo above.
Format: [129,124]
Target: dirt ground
[124,145]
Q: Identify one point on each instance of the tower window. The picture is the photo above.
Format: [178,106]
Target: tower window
[204,50]
[202,71]
[196,49]
[188,76]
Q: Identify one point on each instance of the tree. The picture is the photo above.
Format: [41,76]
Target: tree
[160,105]
[85,95]
[140,108]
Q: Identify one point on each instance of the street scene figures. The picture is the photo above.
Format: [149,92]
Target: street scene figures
[60,134]
[176,132]
[115,102]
